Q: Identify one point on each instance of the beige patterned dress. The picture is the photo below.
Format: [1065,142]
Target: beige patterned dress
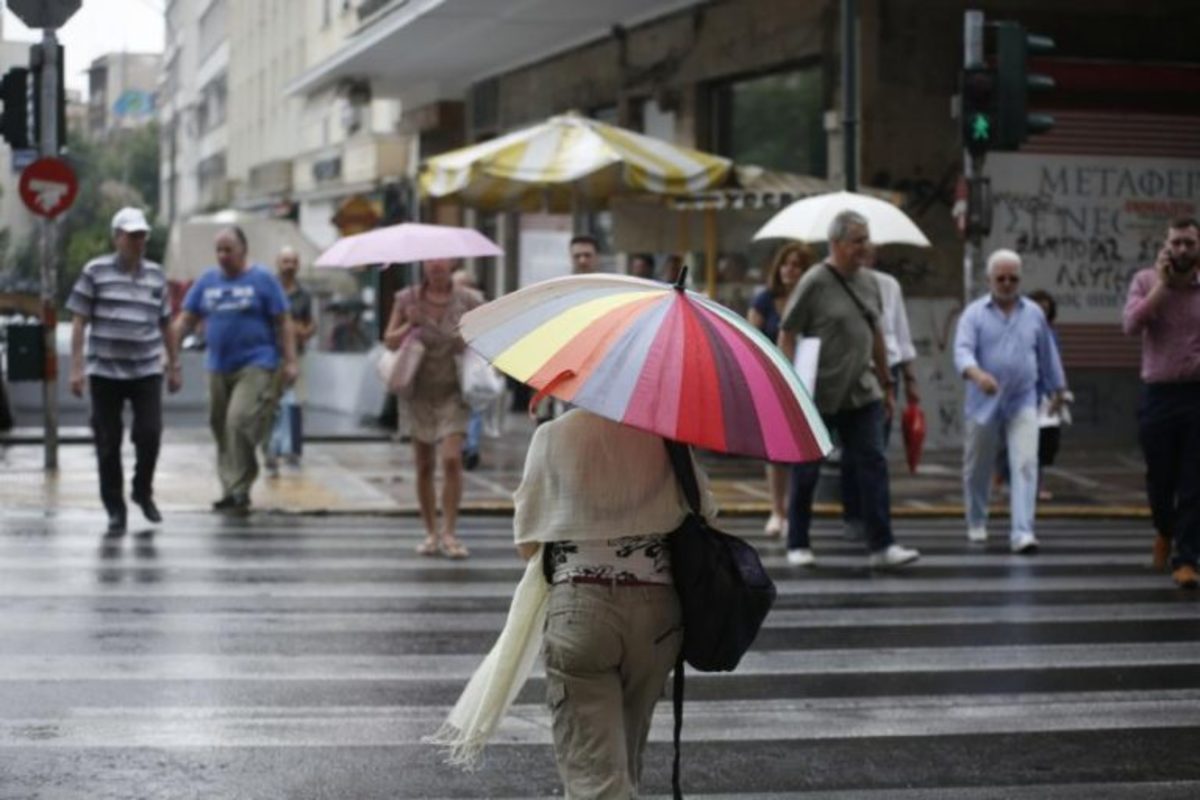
[436,409]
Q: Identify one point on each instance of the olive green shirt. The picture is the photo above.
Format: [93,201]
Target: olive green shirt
[820,307]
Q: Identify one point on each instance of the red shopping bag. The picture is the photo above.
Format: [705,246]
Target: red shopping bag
[913,426]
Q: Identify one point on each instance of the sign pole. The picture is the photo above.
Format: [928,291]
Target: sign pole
[48,125]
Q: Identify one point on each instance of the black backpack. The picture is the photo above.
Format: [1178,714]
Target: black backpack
[724,592]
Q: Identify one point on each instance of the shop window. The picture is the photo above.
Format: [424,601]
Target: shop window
[773,120]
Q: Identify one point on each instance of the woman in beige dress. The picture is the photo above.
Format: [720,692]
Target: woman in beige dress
[436,411]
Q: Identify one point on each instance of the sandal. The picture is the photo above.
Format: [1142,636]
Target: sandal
[429,547]
[453,548]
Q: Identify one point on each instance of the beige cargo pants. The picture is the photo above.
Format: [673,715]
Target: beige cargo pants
[608,652]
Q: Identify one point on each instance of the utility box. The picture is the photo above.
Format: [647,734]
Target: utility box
[26,352]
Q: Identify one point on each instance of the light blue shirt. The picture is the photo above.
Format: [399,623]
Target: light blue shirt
[1017,350]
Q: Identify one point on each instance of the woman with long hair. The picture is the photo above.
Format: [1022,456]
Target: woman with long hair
[789,265]
[437,414]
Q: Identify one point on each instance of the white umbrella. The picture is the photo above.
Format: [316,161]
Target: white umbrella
[808,220]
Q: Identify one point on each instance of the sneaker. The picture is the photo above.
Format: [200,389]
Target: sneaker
[1162,552]
[470,461]
[1025,544]
[801,558]
[977,535]
[1185,576]
[774,527]
[271,465]
[149,509]
[894,555]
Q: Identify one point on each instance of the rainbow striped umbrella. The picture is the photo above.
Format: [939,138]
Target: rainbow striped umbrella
[656,357]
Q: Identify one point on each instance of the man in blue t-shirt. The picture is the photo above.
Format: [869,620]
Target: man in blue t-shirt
[251,351]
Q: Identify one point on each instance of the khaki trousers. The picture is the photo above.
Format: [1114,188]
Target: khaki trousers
[241,411]
[608,652]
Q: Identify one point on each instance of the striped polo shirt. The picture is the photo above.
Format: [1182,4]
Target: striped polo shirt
[125,311]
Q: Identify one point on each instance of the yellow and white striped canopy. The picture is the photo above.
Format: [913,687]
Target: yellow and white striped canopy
[568,162]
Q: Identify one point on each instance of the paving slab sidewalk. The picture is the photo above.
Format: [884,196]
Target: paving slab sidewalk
[351,469]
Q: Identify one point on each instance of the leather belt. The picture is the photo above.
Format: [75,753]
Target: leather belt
[614,581]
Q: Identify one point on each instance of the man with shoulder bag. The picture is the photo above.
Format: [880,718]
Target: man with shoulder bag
[838,303]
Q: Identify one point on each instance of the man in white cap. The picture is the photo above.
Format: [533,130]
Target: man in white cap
[121,301]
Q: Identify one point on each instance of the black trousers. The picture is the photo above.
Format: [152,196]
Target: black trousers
[108,403]
[1169,430]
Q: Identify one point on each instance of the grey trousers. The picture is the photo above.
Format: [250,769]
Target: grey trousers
[608,652]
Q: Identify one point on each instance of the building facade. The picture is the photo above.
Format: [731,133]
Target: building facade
[122,91]
[761,82]
[193,109]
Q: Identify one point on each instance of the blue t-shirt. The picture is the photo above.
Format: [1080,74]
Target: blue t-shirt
[764,304]
[239,317]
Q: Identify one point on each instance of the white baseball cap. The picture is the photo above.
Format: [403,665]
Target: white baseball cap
[130,220]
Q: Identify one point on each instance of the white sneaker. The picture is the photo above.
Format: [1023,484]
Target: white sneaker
[977,535]
[894,556]
[1025,544]
[774,526]
[801,558]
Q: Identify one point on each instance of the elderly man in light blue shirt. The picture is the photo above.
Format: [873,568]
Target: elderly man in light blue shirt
[1004,349]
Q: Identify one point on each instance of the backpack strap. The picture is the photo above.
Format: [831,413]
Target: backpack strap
[681,463]
[676,789]
[685,473]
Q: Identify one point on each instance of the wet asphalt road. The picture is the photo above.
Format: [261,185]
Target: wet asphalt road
[306,657]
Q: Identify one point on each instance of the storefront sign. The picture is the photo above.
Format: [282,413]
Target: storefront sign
[1084,225]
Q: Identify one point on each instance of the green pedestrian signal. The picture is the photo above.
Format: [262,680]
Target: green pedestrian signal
[981,128]
[978,110]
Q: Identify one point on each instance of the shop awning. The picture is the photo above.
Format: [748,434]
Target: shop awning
[436,48]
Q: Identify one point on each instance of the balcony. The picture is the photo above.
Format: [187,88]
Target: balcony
[361,161]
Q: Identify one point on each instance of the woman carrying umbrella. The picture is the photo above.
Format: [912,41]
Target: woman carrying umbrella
[640,361]
[437,413]
[601,497]
[790,263]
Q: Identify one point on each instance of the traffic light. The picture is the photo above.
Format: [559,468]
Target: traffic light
[14,96]
[1013,83]
[978,110]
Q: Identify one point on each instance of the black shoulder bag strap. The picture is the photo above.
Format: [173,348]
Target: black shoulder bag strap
[681,463]
[868,315]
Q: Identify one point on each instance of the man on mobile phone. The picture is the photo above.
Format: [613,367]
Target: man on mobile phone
[1164,308]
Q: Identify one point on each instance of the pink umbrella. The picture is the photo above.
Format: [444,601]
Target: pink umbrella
[409,241]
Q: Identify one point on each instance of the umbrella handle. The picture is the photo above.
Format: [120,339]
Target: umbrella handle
[681,281]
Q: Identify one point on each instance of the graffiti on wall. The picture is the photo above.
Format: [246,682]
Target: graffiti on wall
[1084,225]
[932,322]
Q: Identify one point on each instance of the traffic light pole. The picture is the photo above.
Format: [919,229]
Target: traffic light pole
[972,165]
[48,125]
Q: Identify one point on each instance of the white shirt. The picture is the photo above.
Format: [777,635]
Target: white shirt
[896,335]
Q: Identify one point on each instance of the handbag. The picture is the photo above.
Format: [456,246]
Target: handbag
[724,592]
[398,368]
[480,383]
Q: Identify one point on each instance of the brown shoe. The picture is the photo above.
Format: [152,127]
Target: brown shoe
[1185,576]
[1162,552]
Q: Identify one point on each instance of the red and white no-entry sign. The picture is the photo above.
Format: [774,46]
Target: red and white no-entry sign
[48,186]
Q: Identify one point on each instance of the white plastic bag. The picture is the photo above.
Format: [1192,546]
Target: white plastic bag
[480,383]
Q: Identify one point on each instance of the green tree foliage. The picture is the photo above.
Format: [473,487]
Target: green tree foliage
[121,169]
